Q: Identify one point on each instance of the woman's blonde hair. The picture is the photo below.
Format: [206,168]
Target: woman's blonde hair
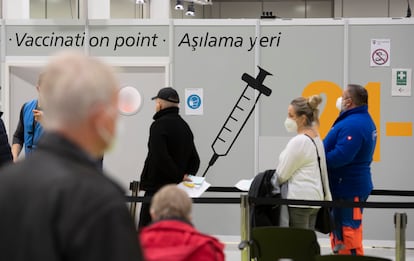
[308,107]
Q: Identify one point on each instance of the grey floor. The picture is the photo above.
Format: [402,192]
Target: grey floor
[385,249]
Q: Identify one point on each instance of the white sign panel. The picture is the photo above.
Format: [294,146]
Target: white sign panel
[380,52]
[401,82]
[194,101]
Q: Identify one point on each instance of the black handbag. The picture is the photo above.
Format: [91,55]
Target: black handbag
[323,219]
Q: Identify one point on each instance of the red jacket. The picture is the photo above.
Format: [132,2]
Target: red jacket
[175,240]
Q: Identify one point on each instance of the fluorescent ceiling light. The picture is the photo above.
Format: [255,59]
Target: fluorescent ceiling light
[190,10]
[179,5]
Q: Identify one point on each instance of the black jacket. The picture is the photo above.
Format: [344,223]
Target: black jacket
[5,150]
[171,151]
[262,187]
[57,205]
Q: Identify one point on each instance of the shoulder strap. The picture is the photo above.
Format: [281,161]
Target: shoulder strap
[34,122]
[32,131]
[319,161]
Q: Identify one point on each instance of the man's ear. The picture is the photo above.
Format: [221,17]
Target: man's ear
[95,113]
[153,216]
[159,104]
[97,116]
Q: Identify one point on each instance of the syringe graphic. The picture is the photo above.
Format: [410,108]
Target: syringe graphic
[238,116]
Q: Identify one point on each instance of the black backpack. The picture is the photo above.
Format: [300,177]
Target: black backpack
[261,187]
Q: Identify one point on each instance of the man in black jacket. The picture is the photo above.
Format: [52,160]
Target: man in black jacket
[57,204]
[172,155]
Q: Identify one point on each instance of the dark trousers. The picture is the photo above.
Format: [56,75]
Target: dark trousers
[144,215]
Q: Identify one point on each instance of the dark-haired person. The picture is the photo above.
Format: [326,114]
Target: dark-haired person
[349,148]
[172,154]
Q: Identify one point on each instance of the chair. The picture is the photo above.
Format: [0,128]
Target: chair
[349,258]
[273,243]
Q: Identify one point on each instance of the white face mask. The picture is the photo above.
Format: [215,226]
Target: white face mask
[107,137]
[111,140]
[339,104]
[291,125]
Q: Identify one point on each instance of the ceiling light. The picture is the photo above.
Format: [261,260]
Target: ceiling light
[203,2]
[139,2]
[190,9]
[179,5]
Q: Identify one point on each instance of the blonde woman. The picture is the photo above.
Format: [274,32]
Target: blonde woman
[302,163]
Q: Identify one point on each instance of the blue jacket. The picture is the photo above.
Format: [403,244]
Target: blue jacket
[28,130]
[349,147]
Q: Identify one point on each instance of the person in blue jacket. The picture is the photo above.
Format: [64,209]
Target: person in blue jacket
[349,148]
[29,128]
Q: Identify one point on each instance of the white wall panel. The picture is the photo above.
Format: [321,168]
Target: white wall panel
[240,10]
[291,9]
[318,9]
[125,9]
[366,8]
[310,50]
[41,9]
[235,9]
[398,8]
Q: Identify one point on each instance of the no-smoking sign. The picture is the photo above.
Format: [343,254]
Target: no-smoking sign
[380,57]
[380,52]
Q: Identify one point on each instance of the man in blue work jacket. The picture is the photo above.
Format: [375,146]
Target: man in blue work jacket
[349,148]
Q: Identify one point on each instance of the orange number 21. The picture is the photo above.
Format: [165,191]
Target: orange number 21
[329,112]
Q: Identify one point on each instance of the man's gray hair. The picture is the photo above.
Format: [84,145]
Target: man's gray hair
[74,84]
[171,202]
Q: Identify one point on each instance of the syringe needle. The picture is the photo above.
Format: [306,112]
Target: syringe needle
[211,162]
[205,172]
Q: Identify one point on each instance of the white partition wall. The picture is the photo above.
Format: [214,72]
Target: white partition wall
[125,160]
[314,56]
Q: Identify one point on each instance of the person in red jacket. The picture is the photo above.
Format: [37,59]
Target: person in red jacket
[171,236]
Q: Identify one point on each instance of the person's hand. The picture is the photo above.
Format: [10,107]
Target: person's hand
[186,178]
[38,115]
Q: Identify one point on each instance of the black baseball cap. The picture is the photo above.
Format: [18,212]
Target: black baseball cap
[168,94]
